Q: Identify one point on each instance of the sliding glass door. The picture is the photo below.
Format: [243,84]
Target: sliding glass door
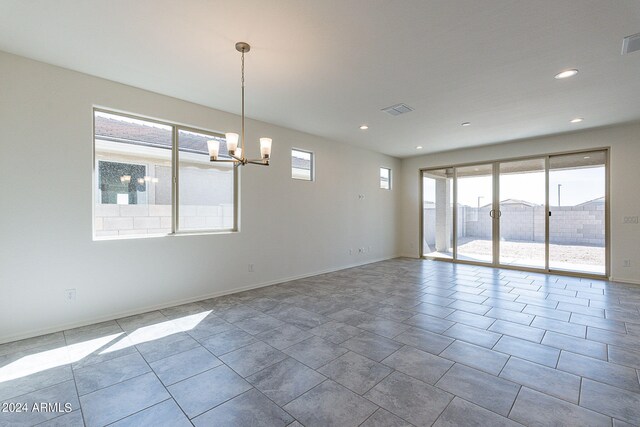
[475,213]
[577,194]
[546,213]
[437,213]
[522,213]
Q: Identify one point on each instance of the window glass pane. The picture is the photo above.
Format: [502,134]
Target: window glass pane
[577,207]
[385,178]
[474,205]
[206,189]
[133,176]
[301,165]
[522,213]
[437,205]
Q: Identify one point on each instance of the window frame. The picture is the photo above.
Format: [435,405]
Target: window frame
[389,179]
[175,178]
[312,166]
[176,184]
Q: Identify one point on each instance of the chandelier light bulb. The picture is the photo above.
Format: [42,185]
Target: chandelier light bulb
[214,147]
[232,142]
[265,148]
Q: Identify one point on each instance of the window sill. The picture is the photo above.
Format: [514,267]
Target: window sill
[155,236]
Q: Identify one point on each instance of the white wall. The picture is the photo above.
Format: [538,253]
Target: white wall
[288,228]
[624,141]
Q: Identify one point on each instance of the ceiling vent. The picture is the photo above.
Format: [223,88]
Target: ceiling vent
[396,110]
[631,44]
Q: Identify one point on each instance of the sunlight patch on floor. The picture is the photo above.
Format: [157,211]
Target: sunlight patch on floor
[158,330]
[38,362]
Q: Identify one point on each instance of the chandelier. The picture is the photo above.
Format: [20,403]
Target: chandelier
[236,153]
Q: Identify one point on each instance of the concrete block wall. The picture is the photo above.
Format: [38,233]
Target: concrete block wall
[127,220]
[577,225]
[476,222]
[569,225]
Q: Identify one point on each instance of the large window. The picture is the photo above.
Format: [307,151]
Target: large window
[139,192]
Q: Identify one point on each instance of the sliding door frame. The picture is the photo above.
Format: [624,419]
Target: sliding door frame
[454,216]
[496,221]
[547,214]
[495,206]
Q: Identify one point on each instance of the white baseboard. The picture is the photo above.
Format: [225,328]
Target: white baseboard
[414,256]
[119,315]
[621,280]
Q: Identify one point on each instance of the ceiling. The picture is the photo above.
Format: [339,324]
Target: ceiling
[326,67]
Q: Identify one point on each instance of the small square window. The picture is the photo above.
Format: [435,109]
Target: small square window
[302,165]
[385,178]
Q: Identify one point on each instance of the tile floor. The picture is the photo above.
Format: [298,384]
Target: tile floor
[396,343]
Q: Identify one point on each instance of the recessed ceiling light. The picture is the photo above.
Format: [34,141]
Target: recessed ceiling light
[466,124]
[364,127]
[419,147]
[566,74]
[576,120]
[587,157]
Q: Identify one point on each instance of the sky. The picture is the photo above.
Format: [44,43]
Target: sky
[577,186]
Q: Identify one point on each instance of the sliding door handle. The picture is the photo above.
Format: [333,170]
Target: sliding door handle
[492,213]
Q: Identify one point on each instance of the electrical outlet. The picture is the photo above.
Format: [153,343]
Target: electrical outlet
[630,220]
[70,294]
[627,263]
[250,268]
